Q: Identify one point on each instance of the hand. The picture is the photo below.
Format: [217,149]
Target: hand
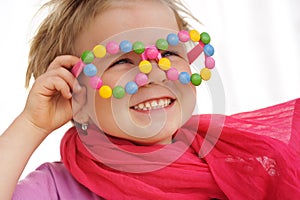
[49,104]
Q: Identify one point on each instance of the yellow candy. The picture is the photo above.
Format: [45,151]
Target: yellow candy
[105,92]
[205,74]
[145,66]
[195,36]
[99,51]
[164,64]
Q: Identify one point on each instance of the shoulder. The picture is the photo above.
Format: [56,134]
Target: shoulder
[51,181]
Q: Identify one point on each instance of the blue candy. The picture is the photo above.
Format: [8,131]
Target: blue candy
[173,39]
[209,50]
[126,46]
[131,87]
[184,78]
[90,70]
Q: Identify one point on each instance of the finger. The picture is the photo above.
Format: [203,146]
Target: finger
[52,85]
[67,76]
[66,61]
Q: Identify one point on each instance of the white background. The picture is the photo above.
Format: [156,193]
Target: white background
[257,46]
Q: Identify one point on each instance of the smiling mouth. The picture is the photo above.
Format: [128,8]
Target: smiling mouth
[153,104]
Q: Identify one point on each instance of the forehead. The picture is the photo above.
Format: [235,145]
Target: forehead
[123,16]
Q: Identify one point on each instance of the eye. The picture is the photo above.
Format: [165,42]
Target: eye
[169,53]
[121,62]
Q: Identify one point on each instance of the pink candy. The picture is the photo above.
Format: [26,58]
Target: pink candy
[172,74]
[95,82]
[184,36]
[141,79]
[209,62]
[152,53]
[112,47]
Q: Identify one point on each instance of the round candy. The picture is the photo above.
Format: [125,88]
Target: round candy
[95,82]
[131,87]
[141,79]
[162,44]
[195,36]
[152,53]
[172,74]
[173,39]
[164,64]
[99,51]
[125,46]
[145,66]
[112,47]
[184,78]
[138,47]
[105,92]
[196,79]
[209,50]
[205,74]
[184,36]
[209,62]
[205,38]
[87,57]
[118,92]
[90,70]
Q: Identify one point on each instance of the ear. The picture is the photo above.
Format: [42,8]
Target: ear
[79,100]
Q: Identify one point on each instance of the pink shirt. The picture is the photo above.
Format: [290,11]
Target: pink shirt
[52,181]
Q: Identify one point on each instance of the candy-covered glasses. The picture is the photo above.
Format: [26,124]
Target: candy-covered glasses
[148,53]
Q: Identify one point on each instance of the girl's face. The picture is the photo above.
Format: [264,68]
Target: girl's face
[171,102]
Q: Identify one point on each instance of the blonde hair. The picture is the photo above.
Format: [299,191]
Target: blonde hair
[66,18]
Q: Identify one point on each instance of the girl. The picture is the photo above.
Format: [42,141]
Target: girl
[133,146]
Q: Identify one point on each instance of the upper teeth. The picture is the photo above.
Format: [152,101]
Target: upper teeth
[153,104]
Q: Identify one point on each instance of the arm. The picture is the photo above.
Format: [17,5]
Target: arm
[48,107]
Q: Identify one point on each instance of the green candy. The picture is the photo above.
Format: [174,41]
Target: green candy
[138,47]
[118,92]
[162,44]
[196,79]
[87,57]
[205,38]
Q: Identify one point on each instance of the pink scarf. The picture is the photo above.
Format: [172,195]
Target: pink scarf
[255,157]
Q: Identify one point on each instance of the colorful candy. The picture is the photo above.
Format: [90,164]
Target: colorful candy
[138,47]
[87,57]
[172,74]
[162,44]
[173,39]
[205,38]
[95,82]
[126,46]
[131,87]
[208,50]
[205,74]
[147,54]
[112,48]
[164,64]
[184,78]
[194,35]
[141,79]
[152,52]
[90,70]
[118,92]
[145,66]
[105,92]
[99,51]
[184,36]
[196,79]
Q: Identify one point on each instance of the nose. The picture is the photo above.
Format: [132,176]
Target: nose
[156,75]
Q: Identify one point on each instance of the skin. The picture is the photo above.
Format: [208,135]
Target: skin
[52,93]
[119,18]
